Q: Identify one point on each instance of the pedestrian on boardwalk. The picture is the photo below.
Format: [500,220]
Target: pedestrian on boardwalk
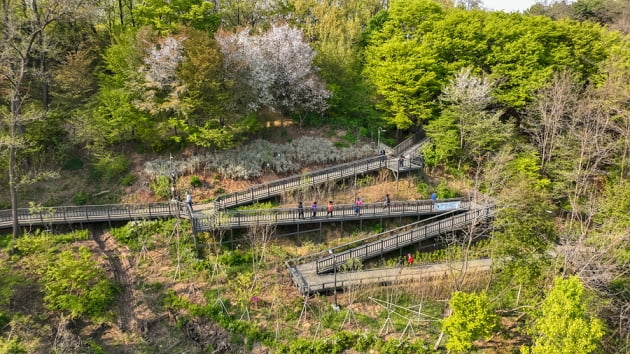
[189,200]
[329,210]
[300,210]
[314,209]
[434,197]
[388,202]
[409,259]
[401,161]
[357,208]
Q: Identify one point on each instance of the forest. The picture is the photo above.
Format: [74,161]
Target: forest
[111,102]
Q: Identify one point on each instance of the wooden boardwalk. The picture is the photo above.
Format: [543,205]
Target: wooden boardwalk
[313,272]
[263,191]
[233,219]
[93,213]
[309,282]
[209,214]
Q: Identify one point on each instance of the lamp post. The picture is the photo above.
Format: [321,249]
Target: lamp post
[335,306]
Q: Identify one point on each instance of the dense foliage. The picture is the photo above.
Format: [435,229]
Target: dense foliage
[531,109]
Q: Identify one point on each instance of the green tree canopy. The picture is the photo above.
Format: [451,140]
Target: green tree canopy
[565,325]
[472,318]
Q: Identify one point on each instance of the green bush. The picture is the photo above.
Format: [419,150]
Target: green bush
[76,285]
[161,187]
[444,191]
[350,138]
[236,258]
[131,234]
[423,189]
[73,164]
[108,167]
[195,181]
[80,198]
[128,180]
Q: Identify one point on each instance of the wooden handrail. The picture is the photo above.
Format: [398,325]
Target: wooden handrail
[415,235]
[89,213]
[277,187]
[341,212]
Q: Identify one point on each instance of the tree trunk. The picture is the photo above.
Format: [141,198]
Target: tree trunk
[120,11]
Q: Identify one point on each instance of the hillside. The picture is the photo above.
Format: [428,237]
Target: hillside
[119,102]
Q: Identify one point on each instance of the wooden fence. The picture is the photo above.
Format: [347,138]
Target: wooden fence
[410,237]
[341,212]
[93,213]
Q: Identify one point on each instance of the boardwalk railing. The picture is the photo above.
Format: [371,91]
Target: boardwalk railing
[383,235]
[93,213]
[407,144]
[383,246]
[341,212]
[277,187]
[370,277]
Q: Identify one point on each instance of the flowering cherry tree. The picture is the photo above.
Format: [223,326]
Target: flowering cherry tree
[162,61]
[274,69]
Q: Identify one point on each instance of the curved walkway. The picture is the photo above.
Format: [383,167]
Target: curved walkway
[127,212]
[312,273]
[234,219]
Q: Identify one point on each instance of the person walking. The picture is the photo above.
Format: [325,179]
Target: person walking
[409,259]
[357,208]
[329,209]
[189,201]
[314,209]
[300,210]
[434,197]
[388,202]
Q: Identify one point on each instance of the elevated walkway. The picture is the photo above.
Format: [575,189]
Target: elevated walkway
[202,218]
[234,219]
[93,213]
[263,191]
[308,283]
[310,273]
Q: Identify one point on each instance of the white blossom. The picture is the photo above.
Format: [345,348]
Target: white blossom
[161,63]
[277,67]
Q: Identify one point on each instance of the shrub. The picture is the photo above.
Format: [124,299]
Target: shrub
[161,187]
[195,181]
[73,164]
[444,191]
[250,161]
[108,167]
[422,188]
[132,233]
[236,258]
[80,198]
[128,180]
[77,286]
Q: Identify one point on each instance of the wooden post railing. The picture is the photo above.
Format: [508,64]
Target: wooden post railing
[382,246]
[89,213]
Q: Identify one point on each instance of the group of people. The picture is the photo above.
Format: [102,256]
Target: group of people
[329,209]
[358,205]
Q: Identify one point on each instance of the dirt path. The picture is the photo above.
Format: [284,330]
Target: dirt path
[120,264]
